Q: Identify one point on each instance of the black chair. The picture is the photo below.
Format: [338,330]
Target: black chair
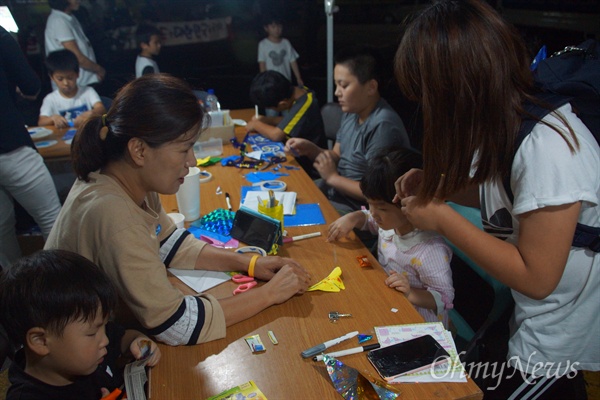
[106,101]
[332,118]
[6,350]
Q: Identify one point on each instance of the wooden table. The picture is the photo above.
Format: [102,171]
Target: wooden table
[60,151]
[197,372]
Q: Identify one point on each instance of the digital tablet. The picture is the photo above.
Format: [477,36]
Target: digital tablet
[407,357]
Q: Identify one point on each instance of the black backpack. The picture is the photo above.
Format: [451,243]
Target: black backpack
[570,75]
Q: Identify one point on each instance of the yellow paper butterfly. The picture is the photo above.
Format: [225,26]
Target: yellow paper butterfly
[333,282]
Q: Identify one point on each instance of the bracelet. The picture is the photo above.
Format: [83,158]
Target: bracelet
[252,264]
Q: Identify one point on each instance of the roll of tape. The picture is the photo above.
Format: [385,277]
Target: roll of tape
[252,249]
[205,176]
[276,186]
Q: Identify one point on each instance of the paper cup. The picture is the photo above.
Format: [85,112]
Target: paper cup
[188,195]
[177,219]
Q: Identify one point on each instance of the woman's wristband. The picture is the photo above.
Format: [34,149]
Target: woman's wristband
[252,264]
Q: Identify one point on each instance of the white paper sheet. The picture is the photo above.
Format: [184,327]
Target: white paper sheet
[200,280]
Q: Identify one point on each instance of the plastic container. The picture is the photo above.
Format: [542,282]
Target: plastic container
[210,148]
[212,102]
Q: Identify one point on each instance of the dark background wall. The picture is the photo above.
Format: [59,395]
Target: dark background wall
[229,65]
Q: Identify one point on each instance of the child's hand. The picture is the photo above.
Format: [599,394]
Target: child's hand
[326,164]
[341,228]
[59,121]
[399,282]
[107,395]
[251,125]
[297,146]
[138,349]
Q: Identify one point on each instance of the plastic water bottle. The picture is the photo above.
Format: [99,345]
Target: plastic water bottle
[212,103]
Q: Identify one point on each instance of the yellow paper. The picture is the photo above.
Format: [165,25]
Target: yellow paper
[332,283]
[201,161]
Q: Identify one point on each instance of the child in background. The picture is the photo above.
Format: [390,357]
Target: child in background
[276,53]
[56,304]
[272,90]
[69,104]
[148,40]
[417,262]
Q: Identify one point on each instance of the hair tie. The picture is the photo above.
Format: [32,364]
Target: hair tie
[104,129]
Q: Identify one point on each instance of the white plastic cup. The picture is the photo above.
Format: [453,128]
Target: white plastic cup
[177,219]
[188,195]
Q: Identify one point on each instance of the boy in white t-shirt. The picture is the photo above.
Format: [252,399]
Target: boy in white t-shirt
[69,104]
[276,53]
[148,39]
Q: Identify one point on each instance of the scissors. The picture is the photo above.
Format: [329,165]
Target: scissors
[247,283]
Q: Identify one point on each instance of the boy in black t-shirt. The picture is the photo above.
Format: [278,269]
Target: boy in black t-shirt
[56,304]
[272,90]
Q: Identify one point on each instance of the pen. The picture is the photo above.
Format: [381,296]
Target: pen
[271,199]
[347,352]
[313,351]
[300,237]
[256,111]
[228,200]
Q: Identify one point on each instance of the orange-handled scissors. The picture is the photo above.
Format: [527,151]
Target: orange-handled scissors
[247,283]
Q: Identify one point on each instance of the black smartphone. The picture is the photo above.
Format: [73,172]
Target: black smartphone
[256,229]
[408,357]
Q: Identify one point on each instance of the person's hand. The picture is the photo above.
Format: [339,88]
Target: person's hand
[424,216]
[100,72]
[290,280]
[251,125]
[104,392]
[326,164]
[266,267]
[138,344]
[297,146]
[342,227]
[399,282]
[408,184]
[300,82]
[59,121]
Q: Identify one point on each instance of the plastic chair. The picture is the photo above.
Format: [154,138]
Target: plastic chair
[332,118]
[502,298]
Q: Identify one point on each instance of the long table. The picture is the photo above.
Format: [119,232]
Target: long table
[60,151]
[201,371]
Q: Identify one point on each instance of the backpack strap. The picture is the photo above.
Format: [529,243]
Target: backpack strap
[585,236]
[553,101]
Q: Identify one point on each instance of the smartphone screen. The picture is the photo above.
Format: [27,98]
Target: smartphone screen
[254,230]
[407,357]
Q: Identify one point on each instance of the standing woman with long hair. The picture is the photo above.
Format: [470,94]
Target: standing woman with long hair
[142,147]
[469,70]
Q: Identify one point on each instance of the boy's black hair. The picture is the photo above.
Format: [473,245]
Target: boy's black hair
[378,181]
[365,62]
[144,33]
[50,289]
[62,60]
[270,19]
[60,5]
[269,88]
